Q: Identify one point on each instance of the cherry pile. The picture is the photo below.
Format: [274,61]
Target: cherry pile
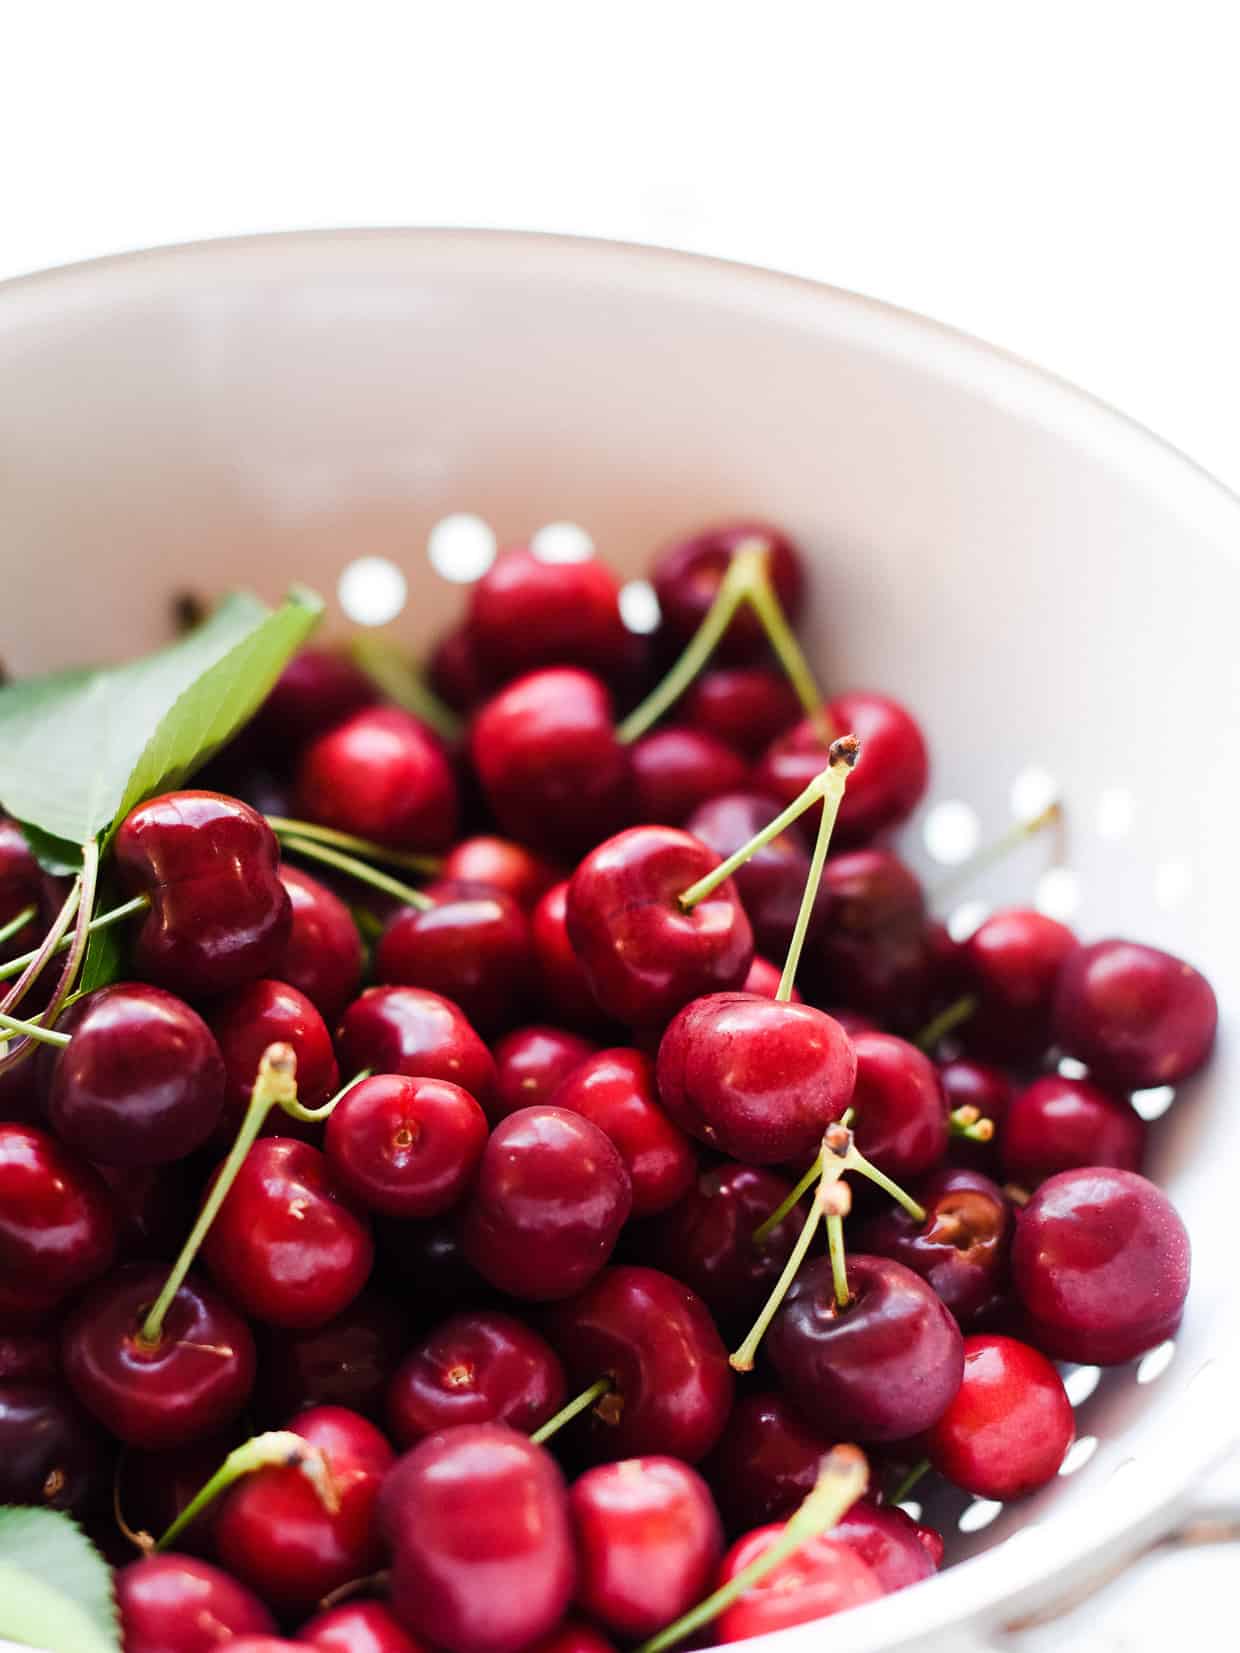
[517,1170]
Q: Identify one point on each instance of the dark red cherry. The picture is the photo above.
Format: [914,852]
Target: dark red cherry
[565,987]
[357,1627]
[572,1636]
[219,915]
[411,1031]
[51,1453]
[873,952]
[615,1090]
[971,1084]
[28,1357]
[648,1542]
[766,1462]
[274,1532]
[381,775]
[322,957]
[286,1246]
[478,1367]
[771,883]
[314,691]
[961,1249]
[754,1078]
[551,1197]
[1137,1017]
[455,672]
[675,770]
[1101,1264]
[820,1578]
[501,865]
[265,1013]
[687,576]
[549,763]
[901,1111]
[1007,1429]
[763,982]
[525,613]
[744,706]
[882,1369]
[1011,963]
[57,1225]
[655,1339]
[152,1488]
[405,1147]
[22,885]
[177,1604]
[896,1549]
[473,948]
[190,1383]
[643,954]
[153,1206]
[471,1504]
[428,1261]
[531,1062]
[23,1091]
[348,1362]
[1059,1124]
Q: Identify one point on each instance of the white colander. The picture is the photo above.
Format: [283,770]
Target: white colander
[1055,592]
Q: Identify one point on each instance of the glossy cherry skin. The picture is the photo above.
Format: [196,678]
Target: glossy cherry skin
[285,1246]
[643,955]
[1011,963]
[348,1362]
[531,1061]
[550,1199]
[655,1339]
[565,986]
[482,1549]
[756,1079]
[51,1453]
[525,613]
[1006,1431]
[473,947]
[501,865]
[687,576]
[572,1636]
[314,691]
[873,952]
[177,1604]
[28,1357]
[901,1112]
[820,1578]
[322,957]
[357,1627]
[191,1383]
[405,1147]
[1137,1017]
[381,775]
[882,1369]
[766,1462]
[411,1031]
[1101,1264]
[615,1090]
[772,882]
[744,706]
[219,915]
[1059,1124]
[676,770]
[264,1013]
[897,1550]
[22,885]
[763,982]
[57,1224]
[547,758]
[273,1531]
[962,1248]
[971,1084]
[481,1366]
[648,1542]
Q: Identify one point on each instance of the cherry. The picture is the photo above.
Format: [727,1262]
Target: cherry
[675,770]
[347,1362]
[274,1532]
[57,1224]
[770,884]
[882,1369]
[615,1090]
[1137,1017]
[455,672]
[323,955]
[153,1488]
[746,707]
[551,1197]
[405,1147]
[177,1604]
[357,1627]
[478,1503]
[687,576]
[408,1030]
[429,1259]
[763,982]
[314,691]
[473,948]
[28,1357]
[572,1636]
[22,884]
[1006,1431]
[285,1246]
[51,1453]
[755,1078]
[531,1062]
[766,1461]
[478,1367]
[960,1250]
[1100,1263]
[564,983]
[501,865]
[548,760]
[873,951]
[820,1578]
[643,954]
[988,1090]
[262,1644]
[189,1383]
[1011,963]
[219,915]
[525,613]
[648,1542]
[671,1386]
[151,1204]
[257,1016]
[896,1548]
[1059,1124]
[901,1111]
[380,775]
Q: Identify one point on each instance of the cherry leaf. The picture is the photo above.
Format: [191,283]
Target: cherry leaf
[55,1587]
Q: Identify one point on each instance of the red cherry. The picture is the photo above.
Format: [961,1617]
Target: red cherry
[873,952]
[565,986]
[57,1224]
[687,576]
[1006,1431]
[818,1579]
[455,672]
[766,1462]
[771,883]
[381,775]
[744,706]
[572,1636]
[648,1542]
[357,1627]
[22,884]
[262,1644]
[763,981]
[901,1112]
[284,1245]
[895,1548]
[347,1362]
[314,691]
[266,1013]
[1059,1124]
[152,1204]
[756,1079]
[28,1357]
[1137,1017]
[219,916]
[643,954]
[676,770]
[478,1367]
[615,1090]
[551,1197]
[531,1062]
[408,1030]
[1011,963]
[961,1249]
[323,955]
[525,613]
[501,865]
[177,1604]
[478,1502]
[153,1488]
[473,948]
[970,1084]
[51,1453]
[405,1147]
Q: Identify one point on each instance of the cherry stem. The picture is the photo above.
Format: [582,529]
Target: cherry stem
[843,754]
[946,1021]
[283,827]
[994,852]
[101,921]
[275,1085]
[81,932]
[277,1446]
[32,1030]
[18,922]
[358,869]
[766,605]
[29,972]
[389,670]
[910,1481]
[312,1116]
[839,1267]
[579,1403]
[967,1121]
[766,1228]
[855,1160]
[842,1478]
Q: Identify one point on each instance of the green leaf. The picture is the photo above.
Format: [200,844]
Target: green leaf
[55,1587]
[102,964]
[54,855]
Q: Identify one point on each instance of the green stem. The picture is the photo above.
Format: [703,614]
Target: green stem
[765,1229]
[968,1122]
[842,756]
[579,1403]
[910,1481]
[855,1160]
[839,1269]
[946,1021]
[29,969]
[994,852]
[101,921]
[312,1116]
[841,1481]
[359,870]
[18,922]
[277,1446]
[32,1030]
[283,827]
[81,931]
[788,651]
[390,671]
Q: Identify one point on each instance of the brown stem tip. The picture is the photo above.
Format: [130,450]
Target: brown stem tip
[847,749]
